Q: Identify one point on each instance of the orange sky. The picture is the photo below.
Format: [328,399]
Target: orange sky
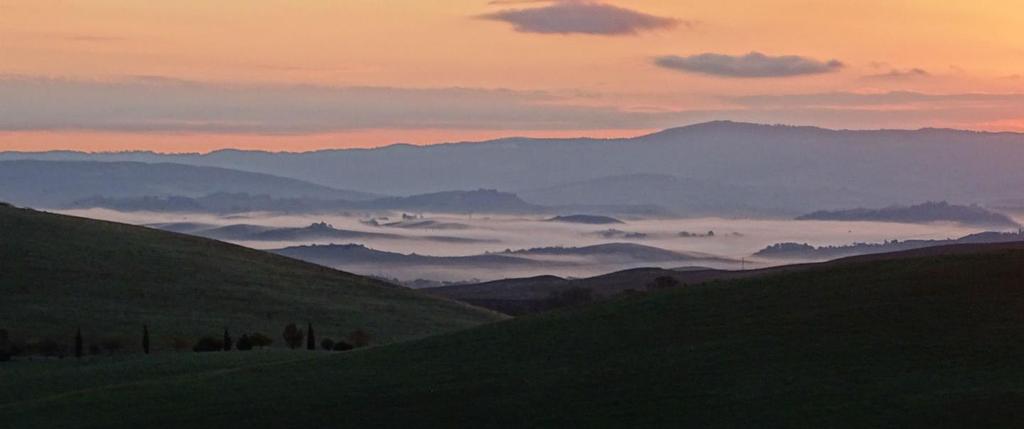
[941,49]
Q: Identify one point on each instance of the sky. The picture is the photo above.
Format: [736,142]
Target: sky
[196,75]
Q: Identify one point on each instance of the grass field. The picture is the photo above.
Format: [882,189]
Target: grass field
[926,339]
[59,273]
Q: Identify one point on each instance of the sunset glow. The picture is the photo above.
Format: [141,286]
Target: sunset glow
[313,74]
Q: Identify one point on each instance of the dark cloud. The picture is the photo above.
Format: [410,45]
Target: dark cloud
[752,65]
[581,17]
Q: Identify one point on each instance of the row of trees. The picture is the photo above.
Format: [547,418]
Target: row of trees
[294,338]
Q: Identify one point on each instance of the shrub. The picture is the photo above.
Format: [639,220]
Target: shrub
[244,343]
[260,340]
[327,344]
[342,346]
[111,345]
[180,344]
[208,344]
[359,338]
[49,347]
[293,336]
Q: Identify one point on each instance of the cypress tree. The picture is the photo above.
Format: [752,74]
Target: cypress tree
[310,338]
[227,340]
[78,344]
[145,339]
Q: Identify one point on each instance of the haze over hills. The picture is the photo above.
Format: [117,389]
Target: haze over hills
[59,273]
[927,338]
[804,251]
[53,184]
[925,212]
[812,168]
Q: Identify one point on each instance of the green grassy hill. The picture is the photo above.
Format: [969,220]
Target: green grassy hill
[927,338]
[58,273]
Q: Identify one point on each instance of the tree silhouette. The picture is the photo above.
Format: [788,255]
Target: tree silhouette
[78,344]
[227,340]
[310,338]
[5,346]
[145,339]
[244,343]
[293,336]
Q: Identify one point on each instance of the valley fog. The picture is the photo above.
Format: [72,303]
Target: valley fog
[463,235]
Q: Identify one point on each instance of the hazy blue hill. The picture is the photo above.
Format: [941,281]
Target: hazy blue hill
[808,168]
[55,184]
[479,201]
[919,339]
[617,252]
[921,213]
[805,251]
[586,219]
[343,254]
[60,273]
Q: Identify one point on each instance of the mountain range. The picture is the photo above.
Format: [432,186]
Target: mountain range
[720,167]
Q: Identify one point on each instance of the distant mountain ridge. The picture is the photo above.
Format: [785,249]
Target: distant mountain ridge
[805,251]
[56,184]
[921,213]
[809,168]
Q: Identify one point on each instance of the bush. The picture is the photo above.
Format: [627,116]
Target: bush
[48,347]
[342,346]
[260,340]
[293,336]
[327,344]
[209,344]
[111,345]
[244,343]
[180,344]
[359,338]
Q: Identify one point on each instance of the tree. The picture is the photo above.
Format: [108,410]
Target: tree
[663,282]
[145,339]
[227,340]
[260,340]
[310,338]
[244,343]
[342,346]
[293,336]
[327,344]
[5,346]
[78,344]
[359,338]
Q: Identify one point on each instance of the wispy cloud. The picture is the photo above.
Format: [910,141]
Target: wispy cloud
[581,17]
[752,65]
[897,74]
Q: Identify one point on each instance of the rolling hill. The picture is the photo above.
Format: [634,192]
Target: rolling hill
[920,213]
[57,184]
[927,338]
[59,273]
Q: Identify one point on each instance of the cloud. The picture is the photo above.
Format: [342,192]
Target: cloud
[901,74]
[752,65]
[581,17]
